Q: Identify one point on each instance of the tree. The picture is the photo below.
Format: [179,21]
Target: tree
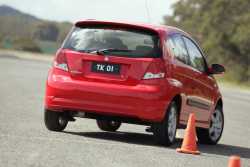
[46,31]
[223,29]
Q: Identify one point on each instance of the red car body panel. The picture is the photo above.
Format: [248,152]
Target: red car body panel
[128,94]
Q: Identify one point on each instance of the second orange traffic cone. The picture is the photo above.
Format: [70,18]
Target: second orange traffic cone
[234,161]
[189,145]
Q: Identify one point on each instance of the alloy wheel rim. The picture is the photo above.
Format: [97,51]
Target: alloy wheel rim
[216,125]
[172,123]
[114,123]
[62,121]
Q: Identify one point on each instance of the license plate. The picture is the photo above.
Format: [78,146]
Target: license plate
[105,68]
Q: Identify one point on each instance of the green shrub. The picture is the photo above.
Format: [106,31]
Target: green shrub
[26,44]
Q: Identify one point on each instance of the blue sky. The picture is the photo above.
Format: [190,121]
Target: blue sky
[72,10]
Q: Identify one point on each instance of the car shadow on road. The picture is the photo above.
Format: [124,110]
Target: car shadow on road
[124,137]
[148,139]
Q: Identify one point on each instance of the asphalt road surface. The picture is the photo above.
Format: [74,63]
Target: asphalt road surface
[24,140]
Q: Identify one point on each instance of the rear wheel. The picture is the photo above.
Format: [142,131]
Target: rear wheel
[55,121]
[165,131]
[108,125]
[213,134]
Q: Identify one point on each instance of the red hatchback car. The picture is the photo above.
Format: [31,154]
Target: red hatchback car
[118,72]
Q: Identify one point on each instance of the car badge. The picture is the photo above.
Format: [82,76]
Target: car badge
[106,58]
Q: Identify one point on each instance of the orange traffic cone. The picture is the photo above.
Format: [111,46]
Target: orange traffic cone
[234,161]
[189,142]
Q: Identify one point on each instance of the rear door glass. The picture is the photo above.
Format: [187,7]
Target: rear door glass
[196,59]
[177,47]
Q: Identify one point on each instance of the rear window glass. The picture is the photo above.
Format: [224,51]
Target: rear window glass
[127,42]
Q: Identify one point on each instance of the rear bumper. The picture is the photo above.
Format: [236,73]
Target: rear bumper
[145,102]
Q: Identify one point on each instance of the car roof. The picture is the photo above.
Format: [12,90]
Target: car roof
[154,27]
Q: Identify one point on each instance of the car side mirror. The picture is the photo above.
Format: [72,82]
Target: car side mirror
[216,69]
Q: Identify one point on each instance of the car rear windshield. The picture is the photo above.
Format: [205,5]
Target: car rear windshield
[124,42]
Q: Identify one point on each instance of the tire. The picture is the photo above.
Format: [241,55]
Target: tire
[108,125]
[211,136]
[165,131]
[55,121]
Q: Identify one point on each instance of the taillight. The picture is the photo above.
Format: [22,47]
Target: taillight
[150,75]
[155,70]
[60,61]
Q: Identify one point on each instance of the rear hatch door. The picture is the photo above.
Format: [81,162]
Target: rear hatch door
[139,48]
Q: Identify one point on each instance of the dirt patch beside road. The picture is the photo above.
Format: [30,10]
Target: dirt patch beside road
[26,55]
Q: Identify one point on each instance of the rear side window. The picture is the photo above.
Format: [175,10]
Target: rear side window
[177,47]
[132,43]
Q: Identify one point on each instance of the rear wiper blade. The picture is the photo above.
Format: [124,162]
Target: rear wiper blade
[104,51]
[85,50]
